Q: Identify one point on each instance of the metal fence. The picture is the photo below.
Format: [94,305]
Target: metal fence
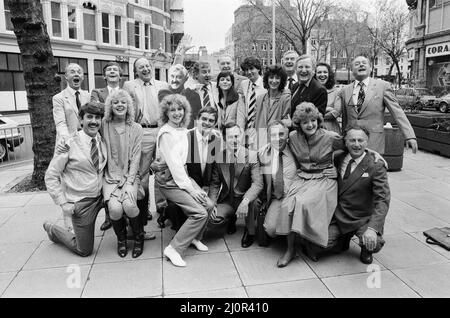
[16,145]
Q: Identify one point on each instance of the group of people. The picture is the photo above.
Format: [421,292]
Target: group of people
[281,142]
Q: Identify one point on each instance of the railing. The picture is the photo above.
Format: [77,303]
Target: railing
[16,145]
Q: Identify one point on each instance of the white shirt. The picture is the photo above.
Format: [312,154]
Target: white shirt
[202,143]
[151,103]
[295,80]
[356,89]
[112,89]
[86,140]
[354,165]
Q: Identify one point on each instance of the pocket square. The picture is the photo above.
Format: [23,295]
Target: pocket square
[365,175]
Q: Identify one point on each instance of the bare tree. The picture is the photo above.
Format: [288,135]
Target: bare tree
[41,79]
[389,30]
[295,19]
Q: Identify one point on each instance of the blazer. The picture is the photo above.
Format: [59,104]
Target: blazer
[364,197]
[379,95]
[315,93]
[244,99]
[71,176]
[65,112]
[249,182]
[134,87]
[210,177]
[100,95]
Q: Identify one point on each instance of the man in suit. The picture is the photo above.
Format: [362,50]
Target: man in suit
[364,102]
[241,182]
[68,102]
[178,75]
[289,62]
[308,89]
[363,200]
[74,181]
[249,90]
[112,73]
[144,91]
[205,88]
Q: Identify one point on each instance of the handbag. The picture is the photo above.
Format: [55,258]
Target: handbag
[439,236]
[261,235]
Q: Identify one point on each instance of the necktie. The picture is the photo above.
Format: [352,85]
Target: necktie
[278,183]
[361,96]
[146,83]
[251,108]
[291,83]
[94,154]
[348,169]
[204,158]
[206,101]
[77,99]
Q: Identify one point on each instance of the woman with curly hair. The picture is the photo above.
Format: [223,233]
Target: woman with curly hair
[312,198]
[325,75]
[274,105]
[227,100]
[123,139]
[175,184]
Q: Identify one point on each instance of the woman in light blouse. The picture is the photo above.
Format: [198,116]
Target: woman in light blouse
[175,184]
[123,139]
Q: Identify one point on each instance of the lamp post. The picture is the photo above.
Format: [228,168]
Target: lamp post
[273,32]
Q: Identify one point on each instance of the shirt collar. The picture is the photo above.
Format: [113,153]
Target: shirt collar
[307,83]
[87,139]
[71,90]
[365,81]
[142,82]
[294,77]
[357,160]
[258,82]
[112,89]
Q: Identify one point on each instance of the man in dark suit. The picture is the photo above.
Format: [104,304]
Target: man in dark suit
[241,182]
[308,89]
[363,200]
[112,73]
[364,102]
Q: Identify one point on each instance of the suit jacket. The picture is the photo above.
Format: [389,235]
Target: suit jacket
[364,197]
[315,93]
[71,176]
[249,181]
[65,112]
[379,95]
[210,177]
[99,95]
[134,87]
[244,99]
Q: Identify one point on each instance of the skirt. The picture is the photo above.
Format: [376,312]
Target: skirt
[308,209]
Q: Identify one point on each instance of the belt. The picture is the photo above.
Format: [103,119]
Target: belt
[149,126]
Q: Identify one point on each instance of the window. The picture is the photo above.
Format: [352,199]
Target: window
[254,47]
[118,29]
[344,65]
[56,19]
[264,47]
[12,83]
[9,25]
[98,72]
[147,36]
[137,37]
[89,26]
[335,54]
[344,54]
[376,61]
[72,19]
[105,27]
[264,61]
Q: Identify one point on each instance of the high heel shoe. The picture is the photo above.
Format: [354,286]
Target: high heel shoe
[199,245]
[171,254]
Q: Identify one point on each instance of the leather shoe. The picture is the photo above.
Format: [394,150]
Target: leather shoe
[106,225]
[122,248]
[199,245]
[172,255]
[48,228]
[366,256]
[311,252]
[231,227]
[247,239]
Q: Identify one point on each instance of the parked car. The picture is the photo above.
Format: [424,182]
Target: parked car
[443,103]
[416,98]
[10,136]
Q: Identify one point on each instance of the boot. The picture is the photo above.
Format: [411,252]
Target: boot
[143,209]
[138,232]
[120,229]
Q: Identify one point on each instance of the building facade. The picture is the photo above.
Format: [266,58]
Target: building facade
[92,33]
[428,45]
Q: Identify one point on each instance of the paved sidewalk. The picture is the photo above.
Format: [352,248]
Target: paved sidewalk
[32,266]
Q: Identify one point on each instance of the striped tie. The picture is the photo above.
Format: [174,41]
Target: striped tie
[361,97]
[251,108]
[206,101]
[94,154]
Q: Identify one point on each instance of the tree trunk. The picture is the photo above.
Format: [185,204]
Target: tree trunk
[304,45]
[399,74]
[41,79]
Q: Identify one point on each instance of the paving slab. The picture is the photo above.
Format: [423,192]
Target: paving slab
[49,283]
[125,279]
[403,251]
[238,292]
[356,286]
[41,198]
[40,213]
[422,238]
[428,281]
[14,200]
[13,256]
[5,280]
[309,288]
[259,266]
[208,271]
[6,214]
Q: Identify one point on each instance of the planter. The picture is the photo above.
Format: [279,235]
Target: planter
[393,149]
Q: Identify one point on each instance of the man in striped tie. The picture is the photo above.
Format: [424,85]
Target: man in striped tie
[205,88]
[74,181]
[249,90]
